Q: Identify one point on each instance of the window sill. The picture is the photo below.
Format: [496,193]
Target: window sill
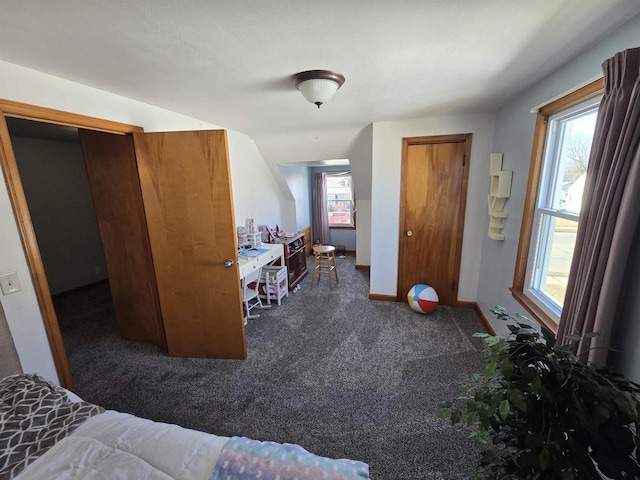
[538,314]
[342,227]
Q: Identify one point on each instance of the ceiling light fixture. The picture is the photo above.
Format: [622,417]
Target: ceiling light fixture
[318,86]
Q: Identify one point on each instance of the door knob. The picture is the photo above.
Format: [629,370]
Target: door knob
[228,263]
[409,233]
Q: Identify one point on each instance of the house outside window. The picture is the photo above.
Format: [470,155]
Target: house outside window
[564,134]
[340,200]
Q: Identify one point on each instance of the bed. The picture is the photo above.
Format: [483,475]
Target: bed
[46,432]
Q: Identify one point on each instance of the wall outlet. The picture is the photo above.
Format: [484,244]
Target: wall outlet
[10,283]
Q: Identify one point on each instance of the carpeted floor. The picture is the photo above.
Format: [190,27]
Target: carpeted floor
[343,376]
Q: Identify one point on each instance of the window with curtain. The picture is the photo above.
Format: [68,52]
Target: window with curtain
[557,213]
[340,200]
[562,145]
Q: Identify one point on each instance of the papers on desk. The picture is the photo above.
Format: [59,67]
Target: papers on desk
[252,252]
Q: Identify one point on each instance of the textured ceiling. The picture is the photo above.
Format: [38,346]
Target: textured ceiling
[230,62]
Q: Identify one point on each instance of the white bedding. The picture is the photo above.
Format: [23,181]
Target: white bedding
[44,435]
[120,446]
[72,396]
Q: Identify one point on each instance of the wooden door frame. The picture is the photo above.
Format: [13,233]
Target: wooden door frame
[435,139]
[23,217]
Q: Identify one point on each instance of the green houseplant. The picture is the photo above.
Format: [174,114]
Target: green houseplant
[541,414]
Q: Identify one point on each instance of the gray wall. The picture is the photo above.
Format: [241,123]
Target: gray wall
[514,137]
[9,360]
[57,190]
[297,178]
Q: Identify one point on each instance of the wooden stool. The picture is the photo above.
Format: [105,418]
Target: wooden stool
[324,262]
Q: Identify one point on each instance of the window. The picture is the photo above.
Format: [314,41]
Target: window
[340,200]
[555,223]
[562,144]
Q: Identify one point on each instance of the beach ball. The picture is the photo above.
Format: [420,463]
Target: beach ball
[422,298]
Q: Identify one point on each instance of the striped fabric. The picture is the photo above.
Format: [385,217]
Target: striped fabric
[34,415]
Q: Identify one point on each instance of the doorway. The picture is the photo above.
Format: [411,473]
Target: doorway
[86,233]
[9,109]
[189,210]
[432,204]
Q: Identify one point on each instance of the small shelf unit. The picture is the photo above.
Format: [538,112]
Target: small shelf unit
[499,191]
[295,258]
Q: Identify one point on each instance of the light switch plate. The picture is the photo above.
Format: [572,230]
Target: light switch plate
[10,283]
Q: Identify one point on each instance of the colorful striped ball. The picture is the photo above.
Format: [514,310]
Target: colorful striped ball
[422,298]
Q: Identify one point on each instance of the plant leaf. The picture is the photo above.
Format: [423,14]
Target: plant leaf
[455,417]
[536,384]
[480,335]
[574,338]
[471,417]
[490,370]
[504,408]
[443,412]
[549,337]
[518,400]
[545,459]
[513,328]
[507,367]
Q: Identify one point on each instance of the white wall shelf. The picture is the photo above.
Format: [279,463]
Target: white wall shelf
[499,191]
[501,184]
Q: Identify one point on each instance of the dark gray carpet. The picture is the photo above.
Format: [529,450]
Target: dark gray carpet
[343,376]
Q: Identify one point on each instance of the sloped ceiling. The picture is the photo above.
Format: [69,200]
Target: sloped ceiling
[230,62]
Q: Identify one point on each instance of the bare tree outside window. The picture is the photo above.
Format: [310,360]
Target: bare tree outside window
[578,152]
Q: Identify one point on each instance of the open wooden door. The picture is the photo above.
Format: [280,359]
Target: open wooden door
[173,228]
[117,200]
[186,188]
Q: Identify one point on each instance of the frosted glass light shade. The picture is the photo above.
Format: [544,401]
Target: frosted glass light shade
[318,86]
[318,91]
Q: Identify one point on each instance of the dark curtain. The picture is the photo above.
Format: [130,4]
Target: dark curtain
[610,213]
[320,222]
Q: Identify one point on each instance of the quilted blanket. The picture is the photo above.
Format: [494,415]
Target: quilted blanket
[43,435]
[119,446]
[246,459]
[34,415]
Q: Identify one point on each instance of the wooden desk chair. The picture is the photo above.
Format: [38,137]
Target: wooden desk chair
[324,263]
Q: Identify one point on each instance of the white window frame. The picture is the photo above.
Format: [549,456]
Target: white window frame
[540,247]
[519,288]
[352,201]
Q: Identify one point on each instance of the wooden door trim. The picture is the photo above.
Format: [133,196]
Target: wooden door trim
[406,142]
[23,217]
[59,117]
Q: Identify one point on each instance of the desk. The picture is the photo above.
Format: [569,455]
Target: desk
[275,251]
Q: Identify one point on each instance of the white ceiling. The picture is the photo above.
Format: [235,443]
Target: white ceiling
[230,62]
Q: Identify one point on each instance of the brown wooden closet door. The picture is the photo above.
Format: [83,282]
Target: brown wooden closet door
[117,199]
[187,196]
[433,201]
